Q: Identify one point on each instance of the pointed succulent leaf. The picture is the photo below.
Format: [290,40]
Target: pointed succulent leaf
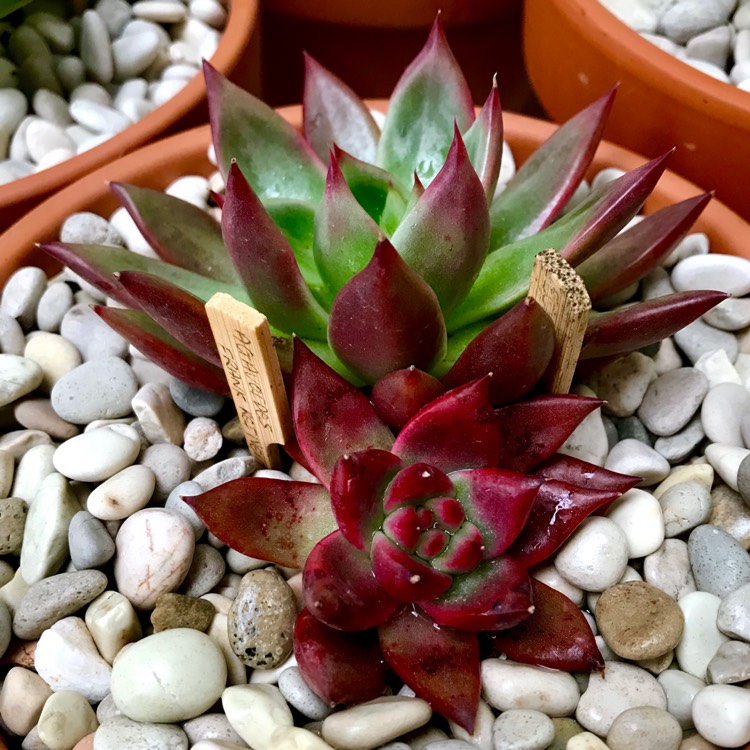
[484,142]
[399,395]
[583,474]
[175,310]
[498,502]
[277,160]
[516,348]
[333,113]
[542,186]
[386,318]
[98,264]
[266,518]
[557,511]
[614,205]
[456,431]
[413,646]
[630,328]
[217,198]
[382,196]
[178,231]
[445,236]
[331,416]
[431,94]
[160,347]
[632,254]
[339,667]
[405,577]
[414,485]
[345,236]
[556,636]
[533,430]
[494,596]
[340,587]
[357,487]
[266,262]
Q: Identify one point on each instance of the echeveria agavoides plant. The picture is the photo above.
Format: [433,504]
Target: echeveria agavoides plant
[388,248]
[415,548]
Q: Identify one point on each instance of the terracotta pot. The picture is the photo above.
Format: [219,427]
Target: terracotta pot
[348,35]
[238,56]
[576,50]
[160,163]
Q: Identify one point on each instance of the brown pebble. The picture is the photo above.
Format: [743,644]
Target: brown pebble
[180,611]
[38,414]
[658,664]
[731,514]
[85,743]
[19,653]
[639,621]
[12,522]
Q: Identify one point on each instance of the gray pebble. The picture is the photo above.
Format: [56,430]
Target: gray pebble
[672,399]
[12,521]
[685,505]
[96,50]
[449,745]
[90,544]
[178,505]
[669,569]
[6,627]
[644,727]
[638,459]
[730,664]
[18,376]
[300,695]
[611,429]
[107,709]
[91,335]
[720,564]
[698,338]
[656,284]
[732,314]
[21,295]
[115,14]
[98,389]
[12,340]
[522,728]
[676,448]
[743,479]
[194,401]
[121,732]
[53,304]
[54,598]
[688,18]
[206,570]
[89,228]
[633,428]
[19,442]
[225,471]
[171,467]
[722,411]
[211,727]
[733,618]
[261,619]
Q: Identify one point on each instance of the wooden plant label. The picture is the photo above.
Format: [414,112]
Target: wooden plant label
[562,293]
[252,369]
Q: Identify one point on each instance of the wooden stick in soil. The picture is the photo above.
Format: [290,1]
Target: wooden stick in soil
[562,293]
[254,375]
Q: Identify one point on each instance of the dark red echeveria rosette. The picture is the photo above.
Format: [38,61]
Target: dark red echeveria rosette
[415,549]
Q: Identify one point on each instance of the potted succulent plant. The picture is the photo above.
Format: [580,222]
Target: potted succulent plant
[577,49]
[238,55]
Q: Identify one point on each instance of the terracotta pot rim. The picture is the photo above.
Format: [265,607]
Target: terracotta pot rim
[675,78]
[242,19]
[42,223]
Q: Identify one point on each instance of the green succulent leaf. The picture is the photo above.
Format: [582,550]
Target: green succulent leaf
[543,185]
[445,237]
[9,6]
[431,95]
[344,235]
[276,159]
[191,238]
[333,113]
[484,142]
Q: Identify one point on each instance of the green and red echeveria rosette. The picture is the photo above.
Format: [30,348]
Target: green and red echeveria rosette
[415,547]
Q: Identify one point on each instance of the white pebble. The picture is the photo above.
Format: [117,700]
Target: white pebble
[639,516]
[98,117]
[701,637]
[255,712]
[721,714]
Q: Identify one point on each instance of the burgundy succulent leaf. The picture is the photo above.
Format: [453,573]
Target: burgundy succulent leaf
[457,431]
[575,471]
[556,635]
[340,667]
[532,430]
[484,142]
[399,395]
[516,348]
[441,665]
[415,484]
[386,318]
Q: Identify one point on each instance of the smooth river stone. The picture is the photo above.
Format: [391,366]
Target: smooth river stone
[261,619]
[22,699]
[301,696]
[623,383]
[672,399]
[722,411]
[152,680]
[211,727]
[256,711]
[45,544]
[724,273]
[721,714]
[113,623]
[18,376]
[623,686]
[680,689]
[644,726]
[99,454]
[90,544]
[35,466]
[67,717]
[701,637]
[726,460]
[54,598]
[635,458]
[639,516]
[730,664]
[733,618]
[730,513]
[685,506]
[638,620]
[99,389]
[507,684]
[123,494]
[120,732]
[154,552]
[720,564]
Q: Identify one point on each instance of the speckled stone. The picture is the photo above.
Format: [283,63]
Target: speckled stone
[180,611]
[206,570]
[730,513]
[644,727]
[194,401]
[261,619]
[638,620]
[12,520]
[730,664]
[720,564]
